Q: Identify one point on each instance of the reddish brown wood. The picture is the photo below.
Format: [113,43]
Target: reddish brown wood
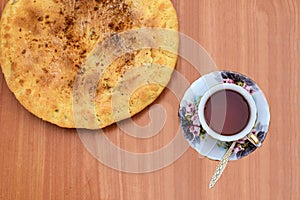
[258,38]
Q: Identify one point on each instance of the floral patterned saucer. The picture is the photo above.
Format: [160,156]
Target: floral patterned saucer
[196,135]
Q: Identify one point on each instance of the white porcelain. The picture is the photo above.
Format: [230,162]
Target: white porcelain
[194,129]
[242,92]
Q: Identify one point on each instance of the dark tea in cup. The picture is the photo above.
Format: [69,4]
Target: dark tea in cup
[227,112]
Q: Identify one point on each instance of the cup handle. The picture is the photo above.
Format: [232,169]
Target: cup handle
[254,140]
[210,143]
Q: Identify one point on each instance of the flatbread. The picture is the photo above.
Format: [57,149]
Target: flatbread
[45,44]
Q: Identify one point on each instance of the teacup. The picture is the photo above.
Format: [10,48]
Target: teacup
[227,112]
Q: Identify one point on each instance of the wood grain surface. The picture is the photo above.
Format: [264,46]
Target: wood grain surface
[256,37]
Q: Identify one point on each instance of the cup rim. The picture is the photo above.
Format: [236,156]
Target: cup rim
[248,98]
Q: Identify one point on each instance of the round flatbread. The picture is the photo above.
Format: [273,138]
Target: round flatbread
[45,45]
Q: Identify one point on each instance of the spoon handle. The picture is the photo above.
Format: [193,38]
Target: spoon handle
[221,166]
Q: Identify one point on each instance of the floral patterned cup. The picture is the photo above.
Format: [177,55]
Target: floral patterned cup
[247,97]
[228,138]
[197,136]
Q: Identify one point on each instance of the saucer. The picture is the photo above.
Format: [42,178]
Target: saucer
[192,128]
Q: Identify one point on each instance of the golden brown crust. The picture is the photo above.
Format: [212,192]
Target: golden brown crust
[44,44]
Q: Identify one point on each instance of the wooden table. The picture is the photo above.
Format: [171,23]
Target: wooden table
[258,38]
